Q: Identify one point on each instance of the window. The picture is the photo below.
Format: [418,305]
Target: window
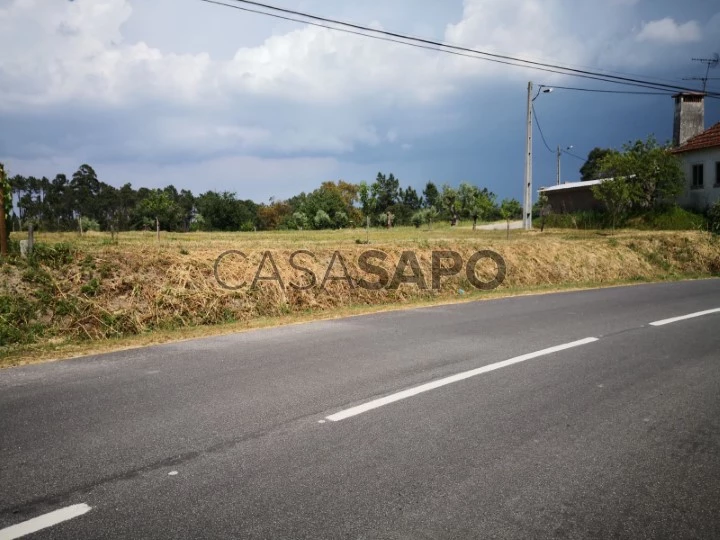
[698,176]
[717,173]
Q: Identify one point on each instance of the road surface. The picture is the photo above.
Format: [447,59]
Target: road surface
[557,416]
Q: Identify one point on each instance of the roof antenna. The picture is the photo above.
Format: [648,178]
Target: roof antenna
[711,63]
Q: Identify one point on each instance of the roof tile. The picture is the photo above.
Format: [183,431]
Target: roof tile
[710,138]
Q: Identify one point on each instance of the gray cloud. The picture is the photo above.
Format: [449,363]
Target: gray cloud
[207,97]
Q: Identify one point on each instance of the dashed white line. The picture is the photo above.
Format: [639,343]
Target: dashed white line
[685,317]
[43,522]
[410,392]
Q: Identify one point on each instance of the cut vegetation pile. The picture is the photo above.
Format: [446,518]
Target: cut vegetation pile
[93,290]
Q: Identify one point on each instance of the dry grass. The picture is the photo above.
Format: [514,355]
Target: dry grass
[140,291]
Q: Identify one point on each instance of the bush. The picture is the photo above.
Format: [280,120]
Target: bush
[417,219]
[576,220]
[18,320]
[341,220]
[89,224]
[673,218]
[55,256]
[322,220]
[713,217]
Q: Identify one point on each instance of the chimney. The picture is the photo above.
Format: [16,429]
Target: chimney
[689,116]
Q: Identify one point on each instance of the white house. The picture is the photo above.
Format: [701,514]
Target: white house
[699,150]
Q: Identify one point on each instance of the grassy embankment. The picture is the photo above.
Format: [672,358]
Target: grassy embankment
[81,295]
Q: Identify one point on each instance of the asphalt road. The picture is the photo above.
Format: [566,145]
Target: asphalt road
[509,426]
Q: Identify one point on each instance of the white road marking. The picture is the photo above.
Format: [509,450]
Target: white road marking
[43,522]
[685,317]
[410,392]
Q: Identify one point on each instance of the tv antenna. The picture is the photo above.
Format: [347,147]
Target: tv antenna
[710,63]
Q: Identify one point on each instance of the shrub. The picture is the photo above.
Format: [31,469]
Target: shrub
[341,220]
[672,218]
[576,220]
[322,220]
[55,256]
[713,216]
[91,288]
[89,224]
[18,320]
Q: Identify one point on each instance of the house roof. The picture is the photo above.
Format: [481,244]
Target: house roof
[710,138]
[573,185]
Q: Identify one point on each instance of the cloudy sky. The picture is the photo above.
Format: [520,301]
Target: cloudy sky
[205,97]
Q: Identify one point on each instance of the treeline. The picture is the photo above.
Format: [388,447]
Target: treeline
[83,202]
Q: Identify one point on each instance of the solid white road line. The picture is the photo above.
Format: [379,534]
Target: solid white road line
[43,522]
[685,317]
[360,409]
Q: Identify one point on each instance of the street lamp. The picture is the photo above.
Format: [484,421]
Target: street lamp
[528,197]
[559,153]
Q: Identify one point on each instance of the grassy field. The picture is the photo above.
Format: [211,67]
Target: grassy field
[90,294]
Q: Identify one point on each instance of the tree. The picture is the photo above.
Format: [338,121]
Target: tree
[451,204]
[655,173]
[431,216]
[418,218]
[543,209]
[85,187]
[301,221]
[18,186]
[269,217]
[617,195]
[341,220]
[368,201]
[592,169]
[5,208]
[186,206]
[431,195]
[224,212]
[386,190]
[322,220]
[475,203]
[411,199]
[160,206]
[510,209]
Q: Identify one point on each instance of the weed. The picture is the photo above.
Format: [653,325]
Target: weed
[91,288]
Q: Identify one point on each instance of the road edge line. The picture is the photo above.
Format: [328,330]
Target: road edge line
[44,521]
[685,317]
[410,392]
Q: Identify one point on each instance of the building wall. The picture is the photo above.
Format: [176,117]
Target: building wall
[700,198]
[573,200]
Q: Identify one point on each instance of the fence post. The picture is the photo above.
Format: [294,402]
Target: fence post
[31,239]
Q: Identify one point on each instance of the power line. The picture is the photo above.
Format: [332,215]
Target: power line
[584,160]
[379,38]
[537,121]
[599,90]
[444,46]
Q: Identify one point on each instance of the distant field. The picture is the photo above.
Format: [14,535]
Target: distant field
[343,237]
[90,293]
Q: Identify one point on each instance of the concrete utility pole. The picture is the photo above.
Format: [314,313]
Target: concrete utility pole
[558,165]
[527,200]
[559,155]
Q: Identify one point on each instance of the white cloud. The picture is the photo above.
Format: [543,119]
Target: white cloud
[307,91]
[668,31]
